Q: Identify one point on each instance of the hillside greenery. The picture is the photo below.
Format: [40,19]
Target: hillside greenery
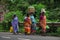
[19,8]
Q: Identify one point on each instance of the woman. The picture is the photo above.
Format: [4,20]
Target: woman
[33,26]
[31,12]
[27,24]
[43,21]
[15,24]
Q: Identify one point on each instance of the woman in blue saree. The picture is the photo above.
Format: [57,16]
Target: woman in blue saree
[15,24]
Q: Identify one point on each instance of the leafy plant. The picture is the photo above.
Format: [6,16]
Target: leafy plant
[8,16]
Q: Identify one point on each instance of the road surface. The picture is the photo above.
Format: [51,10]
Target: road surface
[10,36]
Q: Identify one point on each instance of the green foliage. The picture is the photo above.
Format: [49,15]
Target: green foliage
[8,16]
[1,28]
[58,30]
[53,15]
[38,8]
[17,5]
[22,5]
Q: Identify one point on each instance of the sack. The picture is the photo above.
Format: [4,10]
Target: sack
[37,28]
[47,27]
[11,29]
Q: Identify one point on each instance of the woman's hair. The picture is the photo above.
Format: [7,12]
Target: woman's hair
[43,13]
[27,15]
[14,16]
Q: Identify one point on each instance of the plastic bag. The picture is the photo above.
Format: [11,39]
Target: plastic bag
[47,27]
[11,29]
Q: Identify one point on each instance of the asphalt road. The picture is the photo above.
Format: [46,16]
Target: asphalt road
[10,36]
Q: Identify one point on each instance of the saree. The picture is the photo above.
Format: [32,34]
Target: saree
[43,23]
[27,24]
[15,24]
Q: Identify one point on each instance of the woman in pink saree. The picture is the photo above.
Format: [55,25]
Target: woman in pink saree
[43,22]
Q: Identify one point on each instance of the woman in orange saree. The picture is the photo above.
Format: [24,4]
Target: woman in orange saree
[27,24]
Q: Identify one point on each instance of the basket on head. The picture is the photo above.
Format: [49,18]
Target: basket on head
[43,10]
[31,9]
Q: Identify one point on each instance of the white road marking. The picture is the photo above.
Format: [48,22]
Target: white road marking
[23,39]
[6,37]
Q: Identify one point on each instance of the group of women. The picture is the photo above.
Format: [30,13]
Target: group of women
[30,22]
